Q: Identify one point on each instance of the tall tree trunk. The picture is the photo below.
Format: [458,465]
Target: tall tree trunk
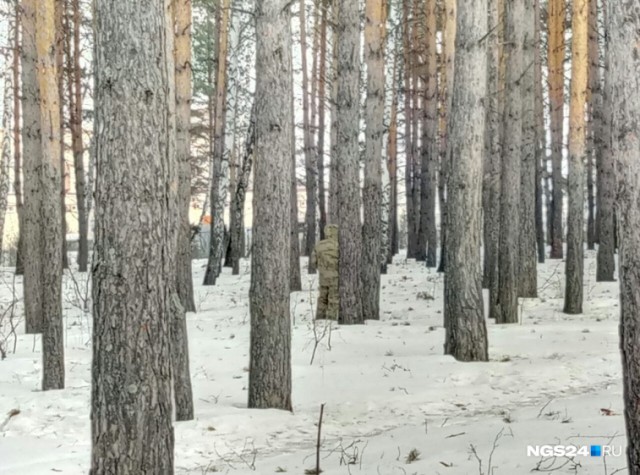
[508,283]
[135,250]
[540,136]
[429,153]
[182,11]
[493,153]
[528,272]
[310,160]
[60,32]
[180,26]
[17,145]
[218,187]
[465,328]
[577,138]
[605,267]
[594,115]
[374,37]
[556,47]
[32,152]
[623,25]
[419,245]
[295,280]
[5,149]
[74,84]
[50,210]
[448,62]
[347,156]
[392,166]
[270,362]
[322,86]
[408,132]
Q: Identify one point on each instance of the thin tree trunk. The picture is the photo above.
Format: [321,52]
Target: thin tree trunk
[295,280]
[593,97]
[392,167]
[528,272]
[465,327]
[135,239]
[556,47]
[17,145]
[540,137]
[577,148]
[374,37]
[5,151]
[408,132]
[60,8]
[322,86]
[50,211]
[182,54]
[333,163]
[508,282]
[270,361]
[347,156]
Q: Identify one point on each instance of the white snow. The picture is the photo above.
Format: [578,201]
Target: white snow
[388,388]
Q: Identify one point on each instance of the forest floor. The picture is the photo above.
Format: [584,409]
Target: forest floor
[389,390]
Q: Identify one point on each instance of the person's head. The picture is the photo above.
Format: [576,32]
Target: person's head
[331,232]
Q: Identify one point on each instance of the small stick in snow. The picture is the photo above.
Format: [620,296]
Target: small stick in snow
[10,414]
[319,441]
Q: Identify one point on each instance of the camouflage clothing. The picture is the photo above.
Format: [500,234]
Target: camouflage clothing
[325,258]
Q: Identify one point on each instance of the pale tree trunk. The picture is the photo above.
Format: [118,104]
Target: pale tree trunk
[508,283]
[179,34]
[75,117]
[310,161]
[465,327]
[577,138]
[333,163]
[374,38]
[60,30]
[50,210]
[429,154]
[493,152]
[135,239]
[270,361]
[5,151]
[31,227]
[295,280]
[623,25]
[605,267]
[448,63]
[218,185]
[408,131]
[17,145]
[182,11]
[392,166]
[527,273]
[347,156]
[556,47]
[540,137]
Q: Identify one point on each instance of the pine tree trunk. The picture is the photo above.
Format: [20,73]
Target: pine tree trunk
[540,137]
[333,162]
[17,145]
[374,37]
[295,280]
[556,47]
[465,327]
[270,362]
[322,86]
[347,156]
[182,10]
[528,272]
[508,283]
[60,8]
[623,25]
[577,148]
[605,267]
[493,152]
[135,247]
[5,151]
[593,97]
[392,167]
[408,132]
[32,152]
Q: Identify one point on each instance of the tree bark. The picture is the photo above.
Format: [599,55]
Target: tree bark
[5,150]
[17,142]
[577,137]
[465,327]
[556,52]
[508,283]
[270,363]
[374,37]
[540,137]
[135,239]
[392,167]
[295,279]
[347,155]
[182,11]
[322,86]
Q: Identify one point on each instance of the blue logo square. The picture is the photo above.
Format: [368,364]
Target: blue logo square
[596,450]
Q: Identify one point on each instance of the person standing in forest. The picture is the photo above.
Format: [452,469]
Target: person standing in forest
[325,258]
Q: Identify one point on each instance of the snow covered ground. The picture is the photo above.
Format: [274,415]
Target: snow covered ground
[388,389]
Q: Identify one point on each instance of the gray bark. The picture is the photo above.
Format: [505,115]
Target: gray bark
[465,327]
[5,153]
[623,36]
[508,283]
[540,137]
[31,231]
[270,363]
[135,248]
[347,167]
[528,272]
[295,280]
